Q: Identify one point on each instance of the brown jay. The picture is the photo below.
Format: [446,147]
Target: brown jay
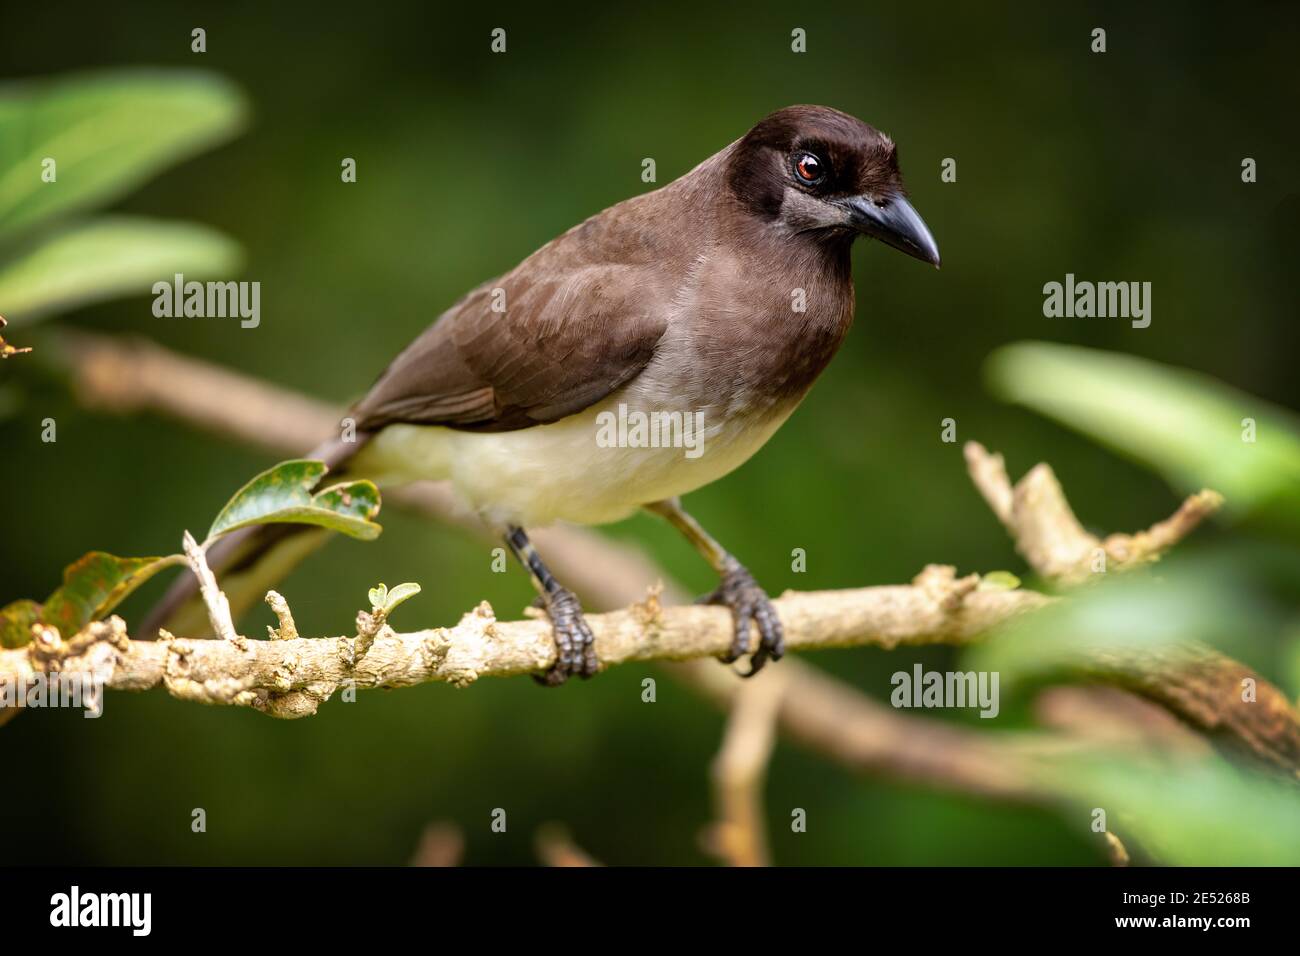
[718,298]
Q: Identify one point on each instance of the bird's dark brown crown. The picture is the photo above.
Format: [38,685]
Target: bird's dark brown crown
[862,159]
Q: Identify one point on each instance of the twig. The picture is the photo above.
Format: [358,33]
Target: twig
[1048,535]
[1115,850]
[288,630]
[6,350]
[739,836]
[213,597]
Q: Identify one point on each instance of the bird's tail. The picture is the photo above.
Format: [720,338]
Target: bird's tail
[250,561]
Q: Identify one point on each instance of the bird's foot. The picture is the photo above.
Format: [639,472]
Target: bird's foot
[575,650]
[749,603]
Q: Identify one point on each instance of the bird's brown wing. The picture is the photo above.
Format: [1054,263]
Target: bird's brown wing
[559,341]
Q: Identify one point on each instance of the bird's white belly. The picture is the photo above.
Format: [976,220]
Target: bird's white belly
[581,469]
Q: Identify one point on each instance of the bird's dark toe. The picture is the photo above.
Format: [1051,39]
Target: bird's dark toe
[772,639]
[575,649]
[586,663]
[749,604]
[740,635]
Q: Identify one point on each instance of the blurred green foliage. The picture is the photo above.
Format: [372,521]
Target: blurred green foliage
[1187,811]
[1195,431]
[1122,166]
[1203,813]
[71,143]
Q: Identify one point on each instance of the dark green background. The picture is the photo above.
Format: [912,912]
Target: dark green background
[1122,166]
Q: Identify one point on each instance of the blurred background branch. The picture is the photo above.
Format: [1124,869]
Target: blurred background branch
[738,836]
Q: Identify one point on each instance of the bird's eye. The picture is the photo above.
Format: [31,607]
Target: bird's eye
[809,169]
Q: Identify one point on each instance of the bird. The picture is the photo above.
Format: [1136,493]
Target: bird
[708,307]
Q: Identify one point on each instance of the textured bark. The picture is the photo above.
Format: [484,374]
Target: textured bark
[290,678]
[1046,532]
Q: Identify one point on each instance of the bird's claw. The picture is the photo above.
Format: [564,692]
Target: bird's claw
[749,603]
[575,649]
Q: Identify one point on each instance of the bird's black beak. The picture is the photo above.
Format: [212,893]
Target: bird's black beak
[894,222]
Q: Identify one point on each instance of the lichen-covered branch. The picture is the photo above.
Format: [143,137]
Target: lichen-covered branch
[290,678]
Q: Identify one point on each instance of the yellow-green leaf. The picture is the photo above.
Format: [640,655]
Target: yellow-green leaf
[16,622]
[283,494]
[95,584]
[999,581]
[111,256]
[399,594]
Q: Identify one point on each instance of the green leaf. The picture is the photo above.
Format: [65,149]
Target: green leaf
[283,494]
[1187,426]
[1190,814]
[107,132]
[16,622]
[999,581]
[111,256]
[399,594]
[95,584]
[384,601]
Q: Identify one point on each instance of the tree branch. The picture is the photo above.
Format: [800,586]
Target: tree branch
[291,678]
[1049,536]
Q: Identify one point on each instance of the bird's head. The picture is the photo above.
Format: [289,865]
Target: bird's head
[815,170]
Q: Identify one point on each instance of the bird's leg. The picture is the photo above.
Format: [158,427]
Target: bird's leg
[738,591]
[575,651]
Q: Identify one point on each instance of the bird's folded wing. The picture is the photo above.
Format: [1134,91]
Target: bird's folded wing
[531,348]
